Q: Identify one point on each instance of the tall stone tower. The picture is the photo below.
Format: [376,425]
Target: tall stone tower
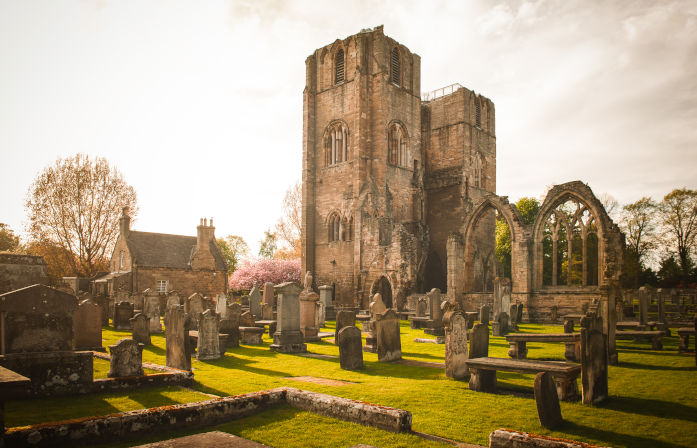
[369,144]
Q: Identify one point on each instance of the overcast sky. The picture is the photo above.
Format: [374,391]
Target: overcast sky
[199,103]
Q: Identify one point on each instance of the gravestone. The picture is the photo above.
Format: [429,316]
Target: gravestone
[502,305]
[643,305]
[177,342]
[266,312]
[513,317]
[695,340]
[123,312]
[251,335]
[547,400]
[173,301]
[231,325]
[500,327]
[221,305]
[87,326]
[208,340]
[126,359]
[268,297]
[455,345]
[479,341]
[344,318]
[193,307]
[326,297]
[103,303]
[388,339]
[140,325]
[376,308]
[421,307]
[484,314]
[434,325]
[308,310]
[138,300]
[288,338]
[519,319]
[151,308]
[568,326]
[255,302]
[350,350]
[321,314]
[247,320]
[594,360]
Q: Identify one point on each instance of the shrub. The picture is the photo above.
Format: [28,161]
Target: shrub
[265,270]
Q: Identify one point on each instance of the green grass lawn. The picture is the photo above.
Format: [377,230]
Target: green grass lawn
[653,396]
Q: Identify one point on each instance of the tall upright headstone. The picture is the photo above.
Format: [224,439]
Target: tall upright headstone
[221,305]
[255,302]
[140,328]
[593,360]
[266,311]
[193,307]
[502,305]
[178,345]
[377,308]
[421,307]
[87,326]
[123,311]
[350,352]
[547,400]
[434,325]
[326,297]
[208,339]
[288,338]
[151,308]
[308,310]
[455,345]
[269,294]
[126,359]
[231,325]
[479,341]
[388,337]
[484,314]
[643,305]
[344,318]
[173,300]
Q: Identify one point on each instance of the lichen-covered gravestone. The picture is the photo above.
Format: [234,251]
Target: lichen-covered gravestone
[388,338]
[178,345]
[350,352]
[344,318]
[231,325]
[87,326]
[151,308]
[547,401]
[288,338]
[594,360]
[123,312]
[455,345]
[126,359]
[193,307]
[140,324]
[208,339]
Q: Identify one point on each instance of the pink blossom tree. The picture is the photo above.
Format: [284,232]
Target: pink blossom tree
[265,270]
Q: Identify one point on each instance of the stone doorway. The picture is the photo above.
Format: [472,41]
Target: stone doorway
[382,285]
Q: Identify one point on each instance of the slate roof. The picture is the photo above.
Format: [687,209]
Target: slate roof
[167,251]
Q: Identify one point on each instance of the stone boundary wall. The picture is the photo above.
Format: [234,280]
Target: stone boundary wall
[126,425]
[507,438]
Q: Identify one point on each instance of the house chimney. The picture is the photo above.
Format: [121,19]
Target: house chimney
[203,258]
[124,223]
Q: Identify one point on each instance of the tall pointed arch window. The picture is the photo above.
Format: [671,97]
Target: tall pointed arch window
[336,144]
[477,112]
[477,170]
[334,228]
[339,67]
[395,66]
[397,146]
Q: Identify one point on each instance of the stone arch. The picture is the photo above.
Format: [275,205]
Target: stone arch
[335,143]
[608,234]
[383,285]
[333,224]
[398,153]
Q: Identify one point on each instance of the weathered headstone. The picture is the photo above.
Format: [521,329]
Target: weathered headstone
[266,312]
[138,299]
[513,317]
[547,400]
[255,302]
[123,312]
[500,327]
[484,314]
[193,307]
[268,297]
[288,338]
[178,345]
[221,305]
[421,307]
[350,351]
[321,314]
[568,326]
[377,306]
[479,341]
[173,301]
[695,340]
[151,308]
[643,305]
[502,305]
[251,335]
[87,326]
[140,327]
[344,318]
[231,325]
[519,319]
[208,339]
[126,359]
[455,345]
[388,338]
[434,325]
[308,310]
[246,319]
[593,360]
[326,297]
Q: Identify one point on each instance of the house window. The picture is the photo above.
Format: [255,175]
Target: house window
[397,146]
[336,144]
[121,260]
[339,67]
[162,286]
[394,65]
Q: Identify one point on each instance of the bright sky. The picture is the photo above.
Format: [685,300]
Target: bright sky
[199,104]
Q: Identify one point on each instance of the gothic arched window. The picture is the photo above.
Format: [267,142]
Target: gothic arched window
[397,146]
[339,67]
[334,228]
[477,169]
[336,144]
[477,112]
[394,66]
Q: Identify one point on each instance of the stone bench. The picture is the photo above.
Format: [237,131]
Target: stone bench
[648,335]
[519,349]
[251,335]
[483,374]
[416,322]
[684,334]
[264,322]
[633,325]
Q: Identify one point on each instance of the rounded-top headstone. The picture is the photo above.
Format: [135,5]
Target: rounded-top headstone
[547,401]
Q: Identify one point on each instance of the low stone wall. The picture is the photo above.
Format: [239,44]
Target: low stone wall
[127,425]
[506,438]
[51,373]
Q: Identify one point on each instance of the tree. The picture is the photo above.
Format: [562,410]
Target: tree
[639,227]
[75,204]
[679,218]
[528,208]
[234,250]
[268,244]
[59,261]
[265,270]
[289,225]
[8,240]
[610,204]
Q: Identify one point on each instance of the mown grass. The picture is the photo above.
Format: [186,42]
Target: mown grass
[653,396]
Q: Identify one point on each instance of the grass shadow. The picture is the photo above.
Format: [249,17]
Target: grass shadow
[634,365]
[613,438]
[652,408]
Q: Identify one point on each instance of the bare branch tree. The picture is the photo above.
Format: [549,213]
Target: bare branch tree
[289,225]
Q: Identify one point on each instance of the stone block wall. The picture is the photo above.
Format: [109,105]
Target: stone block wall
[18,271]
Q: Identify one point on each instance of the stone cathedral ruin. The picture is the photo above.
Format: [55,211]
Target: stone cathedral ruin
[399,193]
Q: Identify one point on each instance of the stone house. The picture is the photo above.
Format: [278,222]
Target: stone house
[164,263]
[399,190]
